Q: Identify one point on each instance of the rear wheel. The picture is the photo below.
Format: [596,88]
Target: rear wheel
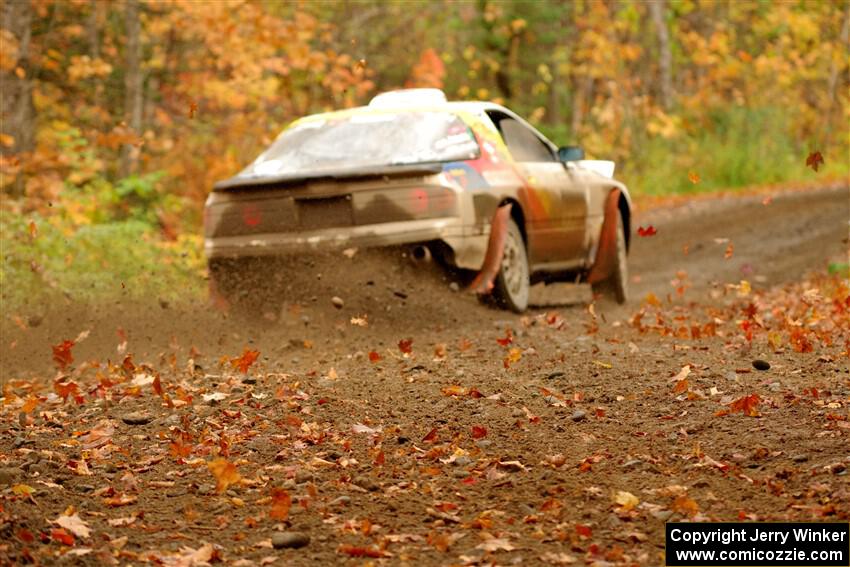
[615,286]
[511,287]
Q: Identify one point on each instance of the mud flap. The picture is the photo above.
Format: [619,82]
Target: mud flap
[483,282]
[606,252]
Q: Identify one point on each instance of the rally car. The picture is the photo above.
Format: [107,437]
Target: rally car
[470,183]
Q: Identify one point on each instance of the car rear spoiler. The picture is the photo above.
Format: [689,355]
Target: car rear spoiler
[246,182]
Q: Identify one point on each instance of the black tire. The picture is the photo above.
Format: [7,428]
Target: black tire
[511,287]
[615,287]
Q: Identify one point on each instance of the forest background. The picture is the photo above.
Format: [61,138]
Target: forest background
[118,117]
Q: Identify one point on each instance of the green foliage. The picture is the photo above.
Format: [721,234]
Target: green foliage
[97,262]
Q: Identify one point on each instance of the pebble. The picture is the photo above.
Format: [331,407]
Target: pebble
[800,458]
[462,461]
[366,483]
[775,386]
[578,415]
[337,302]
[205,489]
[759,364]
[137,418]
[454,286]
[289,540]
[303,476]
[484,443]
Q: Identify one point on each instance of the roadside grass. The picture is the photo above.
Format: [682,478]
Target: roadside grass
[733,149]
[56,262]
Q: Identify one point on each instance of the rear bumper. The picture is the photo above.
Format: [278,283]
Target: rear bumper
[383,234]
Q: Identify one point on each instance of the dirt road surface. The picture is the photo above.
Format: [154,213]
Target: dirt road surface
[414,426]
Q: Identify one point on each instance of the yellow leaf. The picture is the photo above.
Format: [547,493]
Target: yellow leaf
[23,490]
[626,500]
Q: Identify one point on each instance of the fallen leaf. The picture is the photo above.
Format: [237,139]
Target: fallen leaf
[405,346]
[61,536]
[729,251]
[496,544]
[358,551]
[685,506]
[225,473]
[648,231]
[693,177]
[746,405]
[74,524]
[374,356]
[281,502]
[479,431]
[626,500]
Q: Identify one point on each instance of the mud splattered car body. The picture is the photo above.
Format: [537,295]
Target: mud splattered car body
[432,173]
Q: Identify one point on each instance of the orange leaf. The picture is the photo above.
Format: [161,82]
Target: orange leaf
[193,108]
[729,251]
[281,502]
[65,389]
[62,354]
[380,459]
[454,390]
[244,362]
[814,160]
[685,506]
[431,437]
[33,229]
[681,386]
[479,431]
[225,473]
[693,177]
[746,405]
[405,346]
[157,385]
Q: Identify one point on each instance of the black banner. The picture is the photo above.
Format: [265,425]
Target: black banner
[743,544]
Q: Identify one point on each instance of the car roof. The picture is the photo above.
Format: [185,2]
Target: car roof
[468,107]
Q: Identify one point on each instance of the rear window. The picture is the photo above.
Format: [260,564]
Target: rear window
[367,140]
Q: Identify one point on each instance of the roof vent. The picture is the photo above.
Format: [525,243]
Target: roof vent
[408,97]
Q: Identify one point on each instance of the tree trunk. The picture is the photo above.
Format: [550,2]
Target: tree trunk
[658,12]
[133,87]
[832,85]
[17,114]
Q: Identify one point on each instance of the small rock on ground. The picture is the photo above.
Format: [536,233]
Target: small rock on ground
[291,540]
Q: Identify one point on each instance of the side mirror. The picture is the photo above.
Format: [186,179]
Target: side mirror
[570,153]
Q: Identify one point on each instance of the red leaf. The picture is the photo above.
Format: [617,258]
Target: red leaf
[814,160]
[509,338]
[431,437]
[356,551]
[648,231]
[244,362]
[62,354]
[60,535]
[405,346]
[380,459]
[479,431]
[584,531]
[281,502]
[374,356]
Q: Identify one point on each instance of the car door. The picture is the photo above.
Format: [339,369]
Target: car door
[556,197]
